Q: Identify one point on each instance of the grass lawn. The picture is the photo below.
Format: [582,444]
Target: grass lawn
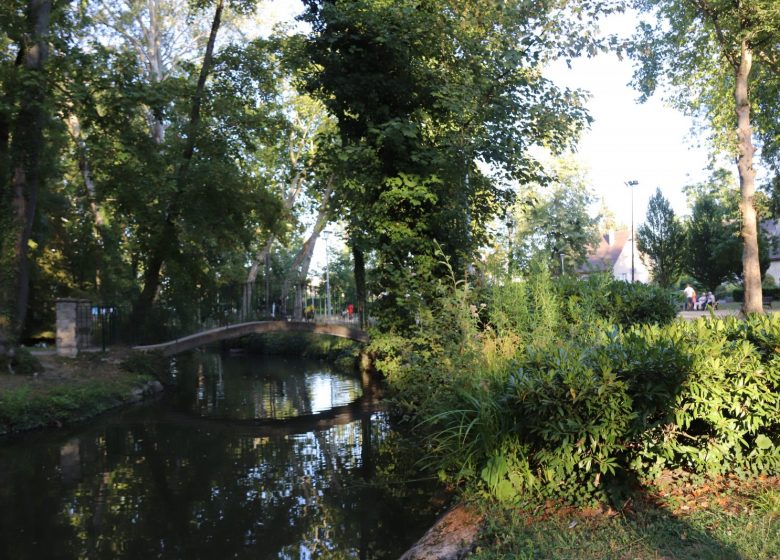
[66,390]
[730,520]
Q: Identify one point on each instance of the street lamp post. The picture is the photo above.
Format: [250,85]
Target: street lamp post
[631,185]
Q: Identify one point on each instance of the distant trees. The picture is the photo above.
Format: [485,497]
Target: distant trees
[713,252]
[706,245]
[714,247]
[553,221]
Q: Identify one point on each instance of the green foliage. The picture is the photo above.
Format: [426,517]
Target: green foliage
[738,294]
[621,303]
[422,92]
[714,248]
[149,364]
[28,408]
[553,220]
[22,363]
[523,399]
[333,349]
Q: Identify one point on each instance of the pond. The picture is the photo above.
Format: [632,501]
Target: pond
[248,457]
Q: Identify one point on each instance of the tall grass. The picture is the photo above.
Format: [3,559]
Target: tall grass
[535,389]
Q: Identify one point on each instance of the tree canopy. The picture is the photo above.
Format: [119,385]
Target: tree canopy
[154,154]
[426,95]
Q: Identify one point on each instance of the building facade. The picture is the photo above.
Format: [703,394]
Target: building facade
[614,255]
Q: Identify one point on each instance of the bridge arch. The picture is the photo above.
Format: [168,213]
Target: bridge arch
[229,332]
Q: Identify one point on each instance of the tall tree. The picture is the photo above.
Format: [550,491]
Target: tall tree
[422,92]
[661,240]
[553,221]
[708,51]
[23,138]
[166,240]
[160,33]
[299,269]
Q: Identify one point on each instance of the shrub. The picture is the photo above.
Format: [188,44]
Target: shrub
[739,293]
[622,303]
[152,364]
[23,363]
[572,420]
[526,396]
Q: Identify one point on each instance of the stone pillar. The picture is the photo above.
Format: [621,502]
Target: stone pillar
[72,326]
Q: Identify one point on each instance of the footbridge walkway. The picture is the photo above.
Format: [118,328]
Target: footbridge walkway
[228,332]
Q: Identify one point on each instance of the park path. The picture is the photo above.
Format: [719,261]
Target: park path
[692,315]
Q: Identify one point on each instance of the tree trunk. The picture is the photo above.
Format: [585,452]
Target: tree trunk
[82,158]
[154,35]
[197,99]
[27,140]
[167,241]
[289,201]
[300,266]
[360,283]
[747,182]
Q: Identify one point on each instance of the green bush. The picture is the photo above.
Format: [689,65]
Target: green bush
[738,294]
[522,397]
[153,364]
[23,363]
[622,303]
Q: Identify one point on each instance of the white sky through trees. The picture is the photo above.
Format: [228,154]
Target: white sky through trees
[650,142]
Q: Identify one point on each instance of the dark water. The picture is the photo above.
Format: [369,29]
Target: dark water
[204,473]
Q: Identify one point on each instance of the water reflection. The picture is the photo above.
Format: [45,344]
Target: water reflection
[148,483]
[247,388]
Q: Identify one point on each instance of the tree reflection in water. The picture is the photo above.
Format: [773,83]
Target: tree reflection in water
[266,388]
[148,483]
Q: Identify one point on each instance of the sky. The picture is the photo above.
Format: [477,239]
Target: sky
[630,141]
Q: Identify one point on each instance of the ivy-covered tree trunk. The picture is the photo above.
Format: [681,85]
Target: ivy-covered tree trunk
[27,141]
[747,182]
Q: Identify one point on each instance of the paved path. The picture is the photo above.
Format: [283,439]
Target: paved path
[691,315]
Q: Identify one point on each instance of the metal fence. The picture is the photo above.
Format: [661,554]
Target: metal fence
[234,303]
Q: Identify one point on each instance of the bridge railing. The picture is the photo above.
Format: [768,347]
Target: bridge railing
[228,305]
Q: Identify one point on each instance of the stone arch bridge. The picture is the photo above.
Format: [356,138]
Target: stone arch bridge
[229,332]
